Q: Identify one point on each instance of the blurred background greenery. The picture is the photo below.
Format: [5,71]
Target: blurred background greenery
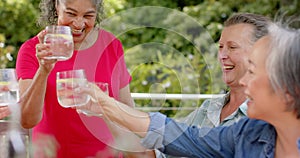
[170,47]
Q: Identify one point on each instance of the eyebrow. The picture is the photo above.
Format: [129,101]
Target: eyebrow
[251,62]
[88,12]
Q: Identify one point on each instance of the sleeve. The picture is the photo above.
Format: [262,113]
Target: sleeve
[27,63]
[178,139]
[298,142]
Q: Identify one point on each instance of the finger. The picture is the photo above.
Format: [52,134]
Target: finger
[4,109]
[42,50]
[41,36]
[37,50]
[4,88]
[4,112]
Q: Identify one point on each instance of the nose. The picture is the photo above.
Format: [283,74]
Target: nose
[223,53]
[78,23]
[243,81]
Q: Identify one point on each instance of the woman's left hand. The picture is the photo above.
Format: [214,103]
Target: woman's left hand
[94,106]
[4,111]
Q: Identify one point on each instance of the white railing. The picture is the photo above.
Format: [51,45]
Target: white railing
[165,96]
[160,96]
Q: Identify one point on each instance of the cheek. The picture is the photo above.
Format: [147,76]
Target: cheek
[63,20]
[252,85]
[261,89]
[90,22]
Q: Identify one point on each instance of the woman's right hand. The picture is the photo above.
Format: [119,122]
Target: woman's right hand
[42,51]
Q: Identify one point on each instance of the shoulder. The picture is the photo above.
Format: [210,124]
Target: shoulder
[218,101]
[252,128]
[30,42]
[106,35]
[28,47]
[33,40]
[252,123]
[108,40]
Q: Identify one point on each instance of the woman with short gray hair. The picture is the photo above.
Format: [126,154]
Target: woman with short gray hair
[272,86]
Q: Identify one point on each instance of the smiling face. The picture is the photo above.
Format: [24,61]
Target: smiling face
[234,48]
[80,15]
[262,98]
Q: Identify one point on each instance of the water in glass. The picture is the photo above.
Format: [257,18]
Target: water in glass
[9,89]
[66,84]
[60,40]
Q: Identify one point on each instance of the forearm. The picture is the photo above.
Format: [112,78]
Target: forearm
[125,96]
[134,120]
[32,99]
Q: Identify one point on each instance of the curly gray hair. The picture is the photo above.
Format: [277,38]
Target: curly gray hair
[48,14]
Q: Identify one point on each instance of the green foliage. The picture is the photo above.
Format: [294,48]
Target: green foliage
[112,6]
[151,28]
[17,22]
[170,47]
[5,52]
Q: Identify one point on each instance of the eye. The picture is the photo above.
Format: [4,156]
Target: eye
[220,47]
[70,13]
[232,47]
[89,16]
[249,71]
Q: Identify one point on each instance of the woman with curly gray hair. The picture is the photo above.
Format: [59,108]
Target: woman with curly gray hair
[96,51]
[49,14]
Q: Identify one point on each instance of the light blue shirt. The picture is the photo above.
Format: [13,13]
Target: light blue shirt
[249,138]
[208,114]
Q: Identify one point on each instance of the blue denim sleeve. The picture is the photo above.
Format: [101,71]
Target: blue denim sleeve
[154,137]
[178,139]
[299,144]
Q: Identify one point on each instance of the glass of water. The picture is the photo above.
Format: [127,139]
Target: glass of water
[9,88]
[104,87]
[61,42]
[66,84]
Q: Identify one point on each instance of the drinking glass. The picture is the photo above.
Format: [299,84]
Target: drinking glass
[9,89]
[60,40]
[104,87]
[66,84]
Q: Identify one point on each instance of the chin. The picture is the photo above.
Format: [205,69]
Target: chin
[251,113]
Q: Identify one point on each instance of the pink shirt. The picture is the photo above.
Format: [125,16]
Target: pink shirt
[78,135]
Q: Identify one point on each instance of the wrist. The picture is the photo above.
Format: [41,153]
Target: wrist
[43,72]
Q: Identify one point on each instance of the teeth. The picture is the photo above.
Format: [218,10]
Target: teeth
[76,31]
[228,67]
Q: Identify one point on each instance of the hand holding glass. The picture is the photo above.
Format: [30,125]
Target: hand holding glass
[104,87]
[66,84]
[9,89]
[60,40]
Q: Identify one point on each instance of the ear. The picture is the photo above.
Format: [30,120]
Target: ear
[289,100]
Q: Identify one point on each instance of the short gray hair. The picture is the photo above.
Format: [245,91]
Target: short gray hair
[283,63]
[48,14]
[259,22]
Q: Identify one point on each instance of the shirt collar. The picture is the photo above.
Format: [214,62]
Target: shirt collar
[243,107]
